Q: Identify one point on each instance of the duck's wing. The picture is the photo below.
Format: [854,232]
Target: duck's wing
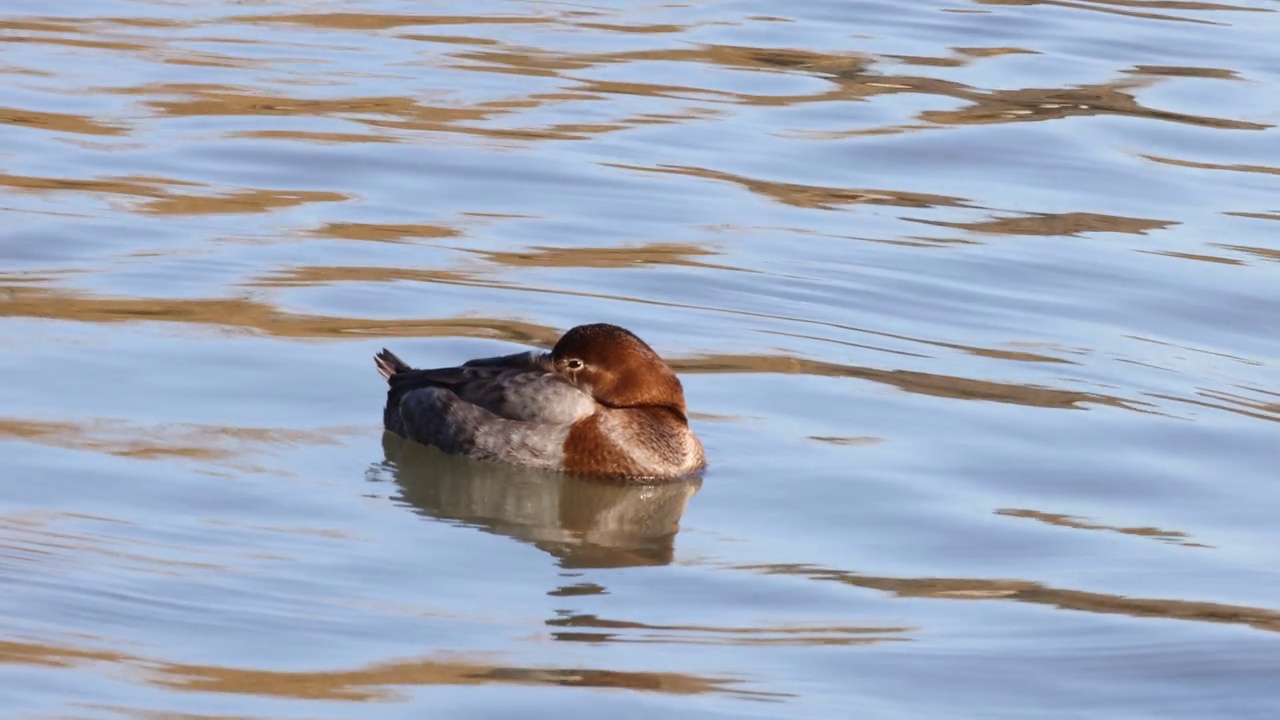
[389,364]
[531,360]
[515,387]
[529,396]
[436,416]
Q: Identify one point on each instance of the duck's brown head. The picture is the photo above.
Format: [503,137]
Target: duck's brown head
[617,368]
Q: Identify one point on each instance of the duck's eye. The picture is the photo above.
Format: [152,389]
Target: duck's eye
[574,364]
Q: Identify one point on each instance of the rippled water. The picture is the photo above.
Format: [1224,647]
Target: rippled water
[976,304]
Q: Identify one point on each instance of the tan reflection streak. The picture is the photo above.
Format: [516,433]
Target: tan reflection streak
[143,22]
[81,43]
[1176,5]
[383,233]
[325,274]
[605,257]
[543,63]
[1038,594]
[19,653]
[164,201]
[983,52]
[209,60]
[61,122]
[929,60]
[135,713]
[1171,536]
[245,201]
[593,621]
[449,39]
[1264,253]
[26,301]
[316,137]
[1265,169]
[216,100]
[851,78]
[1232,403]
[962,56]
[656,29]
[809,196]
[1053,224]
[186,441]
[371,682]
[1255,216]
[1036,104]
[920,383]
[28,25]
[1195,256]
[689,634]
[1181,71]
[735,56]
[847,91]
[79,25]
[395,113]
[152,48]
[1155,5]
[527,62]
[370,21]
[849,75]
[850,441]
[137,185]
[23,301]
[23,277]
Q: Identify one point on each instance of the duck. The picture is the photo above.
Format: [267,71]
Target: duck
[600,403]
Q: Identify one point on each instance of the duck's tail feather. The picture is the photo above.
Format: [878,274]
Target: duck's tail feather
[389,365]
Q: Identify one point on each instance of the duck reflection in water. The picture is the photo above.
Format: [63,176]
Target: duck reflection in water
[583,522]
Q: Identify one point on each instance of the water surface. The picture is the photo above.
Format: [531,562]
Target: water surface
[974,302]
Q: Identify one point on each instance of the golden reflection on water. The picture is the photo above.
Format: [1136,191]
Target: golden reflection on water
[123,438]
[368,683]
[1040,104]
[304,276]
[813,196]
[849,78]
[1195,256]
[638,632]
[21,300]
[61,122]
[1119,7]
[383,232]
[1263,253]
[1258,216]
[1058,224]
[914,382]
[1230,167]
[373,21]
[1025,591]
[606,257]
[167,202]
[1170,536]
